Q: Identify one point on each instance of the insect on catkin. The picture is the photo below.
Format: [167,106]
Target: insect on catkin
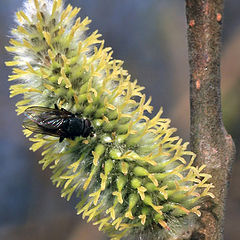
[133,176]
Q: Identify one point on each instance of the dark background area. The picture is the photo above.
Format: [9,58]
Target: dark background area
[150,36]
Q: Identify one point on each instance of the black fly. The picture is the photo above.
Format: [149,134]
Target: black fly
[56,122]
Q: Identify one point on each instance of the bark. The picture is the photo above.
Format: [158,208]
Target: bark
[209,140]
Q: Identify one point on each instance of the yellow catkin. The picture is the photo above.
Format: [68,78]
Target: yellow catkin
[131,173]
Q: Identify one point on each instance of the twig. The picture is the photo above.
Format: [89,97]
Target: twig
[209,140]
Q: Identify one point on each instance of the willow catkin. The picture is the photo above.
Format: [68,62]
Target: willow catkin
[133,176]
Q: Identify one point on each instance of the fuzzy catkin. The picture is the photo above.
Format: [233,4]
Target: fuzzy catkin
[133,176]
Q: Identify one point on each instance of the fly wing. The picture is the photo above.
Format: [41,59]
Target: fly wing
[47,118]
[34,127]
[51,122]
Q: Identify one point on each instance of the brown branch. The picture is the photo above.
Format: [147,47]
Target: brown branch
[209,140]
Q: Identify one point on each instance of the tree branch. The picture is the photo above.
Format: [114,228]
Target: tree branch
[209,140]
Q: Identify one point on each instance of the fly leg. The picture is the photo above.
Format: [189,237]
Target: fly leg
[56,106]
[62,109]
[61,134]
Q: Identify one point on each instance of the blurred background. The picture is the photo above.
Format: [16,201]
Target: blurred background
[150,36]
